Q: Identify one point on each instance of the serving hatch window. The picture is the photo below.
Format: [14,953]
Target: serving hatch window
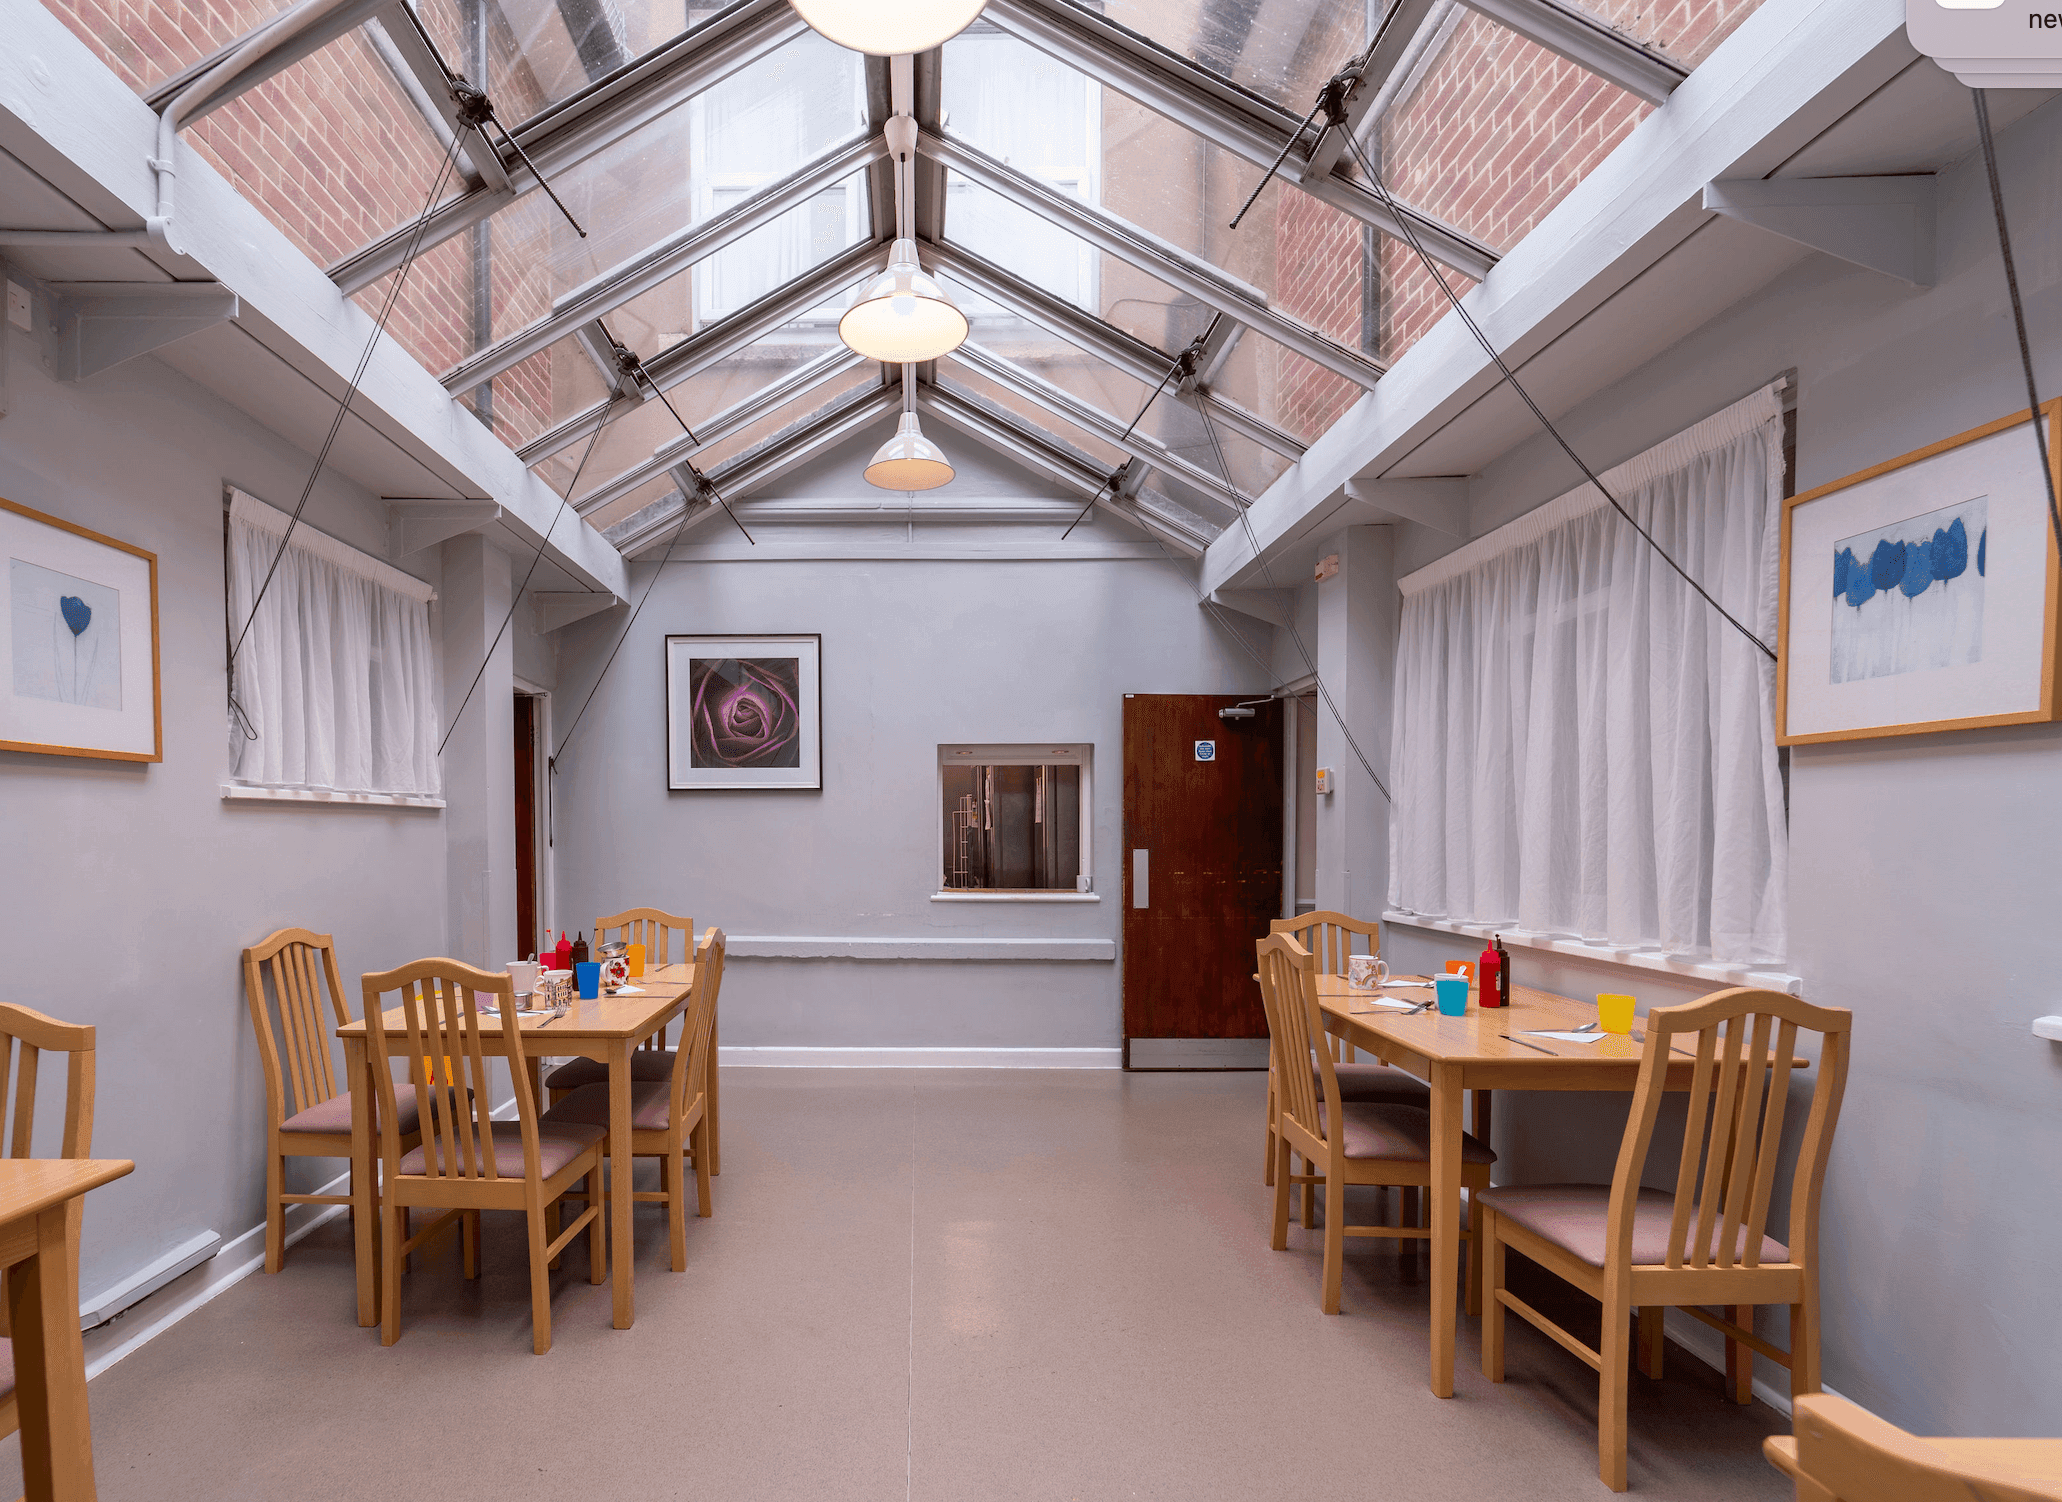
[1014,818]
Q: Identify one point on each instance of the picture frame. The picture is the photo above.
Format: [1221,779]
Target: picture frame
[1921,594]
[79,671]
[744,712]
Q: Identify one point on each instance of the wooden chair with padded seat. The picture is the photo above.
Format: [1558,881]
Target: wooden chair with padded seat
[468,1162]
[669,1118]
[654,929]
[299,968]
[1360,1142]
[1638,1249]
[25,1036]
[1843,1453]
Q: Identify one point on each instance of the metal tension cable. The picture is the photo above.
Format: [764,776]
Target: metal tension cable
[476,110]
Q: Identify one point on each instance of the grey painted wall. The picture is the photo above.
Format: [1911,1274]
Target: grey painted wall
[139,879]
[1924,870]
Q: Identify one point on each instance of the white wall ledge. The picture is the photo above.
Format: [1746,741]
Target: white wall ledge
[239,793]
[1638,959]
[1016,897]
[971,947]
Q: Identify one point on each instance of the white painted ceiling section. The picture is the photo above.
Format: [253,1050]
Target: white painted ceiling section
[1629,263]
[74,143]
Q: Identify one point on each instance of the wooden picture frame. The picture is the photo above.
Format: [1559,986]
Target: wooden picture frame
[79,619]
[744,713]
[1946,607]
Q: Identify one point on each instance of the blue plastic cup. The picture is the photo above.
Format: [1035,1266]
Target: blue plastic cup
[1453,995]
[589,977]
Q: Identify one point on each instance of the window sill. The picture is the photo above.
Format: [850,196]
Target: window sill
[238,792]
[1638,959]
[1016,897]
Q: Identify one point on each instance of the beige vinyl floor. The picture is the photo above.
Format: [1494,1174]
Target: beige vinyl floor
[955,1286]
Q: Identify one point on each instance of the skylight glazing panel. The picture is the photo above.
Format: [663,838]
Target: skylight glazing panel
[534,53]
[1281,49]
[145,53]
[1683,31]
[971,384]
[794,413]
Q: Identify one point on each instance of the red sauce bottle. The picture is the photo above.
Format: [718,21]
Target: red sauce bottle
[1489,966]
[564,953]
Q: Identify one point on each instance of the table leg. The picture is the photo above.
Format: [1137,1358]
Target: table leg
[364,1178]
[714,1131]
[620,1242]
[1481,1100]
[1446,1220]
[50,1366]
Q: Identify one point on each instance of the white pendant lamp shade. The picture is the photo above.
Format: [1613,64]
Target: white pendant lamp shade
[902,316]
[886,27]
[909,461]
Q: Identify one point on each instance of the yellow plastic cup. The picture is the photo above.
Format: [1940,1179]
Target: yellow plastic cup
[1614,1012]
[636,955]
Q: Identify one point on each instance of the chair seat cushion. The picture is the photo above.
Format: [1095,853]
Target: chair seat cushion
[645,1064]
[334,1114]
[1375,1084]
[1397,1134]
[558,1143]
[651,1105]
[1575,1218]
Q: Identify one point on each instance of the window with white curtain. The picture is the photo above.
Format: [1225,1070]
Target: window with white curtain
[335,686]
[1584,748]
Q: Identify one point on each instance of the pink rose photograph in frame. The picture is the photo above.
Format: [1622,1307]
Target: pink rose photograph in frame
[744,712]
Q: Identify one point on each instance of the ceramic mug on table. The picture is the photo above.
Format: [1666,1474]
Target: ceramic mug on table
[523,973]
[1366,972]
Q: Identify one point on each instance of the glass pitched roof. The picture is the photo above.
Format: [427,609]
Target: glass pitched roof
[726,166]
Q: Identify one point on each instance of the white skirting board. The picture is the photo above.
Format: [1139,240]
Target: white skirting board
[923,1058]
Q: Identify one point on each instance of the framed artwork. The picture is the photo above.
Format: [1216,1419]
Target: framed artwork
[78,641]
[744,712]
[1921,594]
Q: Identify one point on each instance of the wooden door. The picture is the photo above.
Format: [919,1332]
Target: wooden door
[1202,878]
[526,825]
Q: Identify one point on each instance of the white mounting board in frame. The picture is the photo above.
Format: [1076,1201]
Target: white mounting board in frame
[744,712]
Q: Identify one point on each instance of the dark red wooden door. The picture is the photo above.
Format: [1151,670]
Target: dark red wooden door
[1202,864]
[526,824]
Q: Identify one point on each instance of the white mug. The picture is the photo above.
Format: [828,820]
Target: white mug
[1366,972]
[524,974]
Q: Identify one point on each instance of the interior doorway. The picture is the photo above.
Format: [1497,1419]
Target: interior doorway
[530,833]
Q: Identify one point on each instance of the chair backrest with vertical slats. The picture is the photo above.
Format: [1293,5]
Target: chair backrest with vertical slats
[25,1036]
[1745,1042]
[691,1062]
[1329,937]
[1858,1457]
[1288,989]
[653,928]
[439,1002]
[298,968]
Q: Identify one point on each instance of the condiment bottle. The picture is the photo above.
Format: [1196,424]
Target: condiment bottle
[1490,969]
[563,953]
[1503,957]
[580,950]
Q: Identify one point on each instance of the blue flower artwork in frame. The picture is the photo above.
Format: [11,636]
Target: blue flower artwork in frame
[1909,597]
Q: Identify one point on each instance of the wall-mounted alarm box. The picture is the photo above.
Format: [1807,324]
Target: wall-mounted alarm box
[1325,782]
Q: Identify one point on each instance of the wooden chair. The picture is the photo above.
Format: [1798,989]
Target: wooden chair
[1648,1249]
[37,1035]
[1844,1453]
[469,1162]
[1348,1143]
[301,967]
[668,1118]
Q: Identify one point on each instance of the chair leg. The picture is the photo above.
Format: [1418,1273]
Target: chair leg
[1309,1197]
[1739,1360]
[1335,1239]
[1280,1238]
[407,1230]
[1804,1344]
[551,1232]
[703,1141]
[1612,1382]
[393,1221]
[540,1283]
[1474,1263]
[674,1169]
[1268,1178]
[275,1213]
[1492,1286]
[597,1232]
[469,1233]
[1650,1341]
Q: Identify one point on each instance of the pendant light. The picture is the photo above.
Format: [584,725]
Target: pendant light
[909,461]
[902,316]
[887,27]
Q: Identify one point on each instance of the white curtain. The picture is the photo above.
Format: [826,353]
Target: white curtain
[1583,746]
[337,675]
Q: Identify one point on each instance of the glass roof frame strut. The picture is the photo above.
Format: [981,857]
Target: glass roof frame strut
[703,348]
[1123,351]
[1177,268]
[649,268]
[1391,50]
[1589,44]
[433,77]
[1221,112]
[819,372]
[567,133]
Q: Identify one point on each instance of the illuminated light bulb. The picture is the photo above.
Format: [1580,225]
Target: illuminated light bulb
[902,316]
[909,461]
[887,27]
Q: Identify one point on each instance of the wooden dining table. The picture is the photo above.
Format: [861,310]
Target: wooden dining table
[39,1247]
[1481,1052]
[606,1028]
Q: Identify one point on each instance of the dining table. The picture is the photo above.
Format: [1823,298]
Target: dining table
[1486,1050]
[606,1028]
[39,1247]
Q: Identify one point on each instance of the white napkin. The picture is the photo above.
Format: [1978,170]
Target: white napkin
[1390,1003]
[1423,985]
[1572,1037]
[628,991]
